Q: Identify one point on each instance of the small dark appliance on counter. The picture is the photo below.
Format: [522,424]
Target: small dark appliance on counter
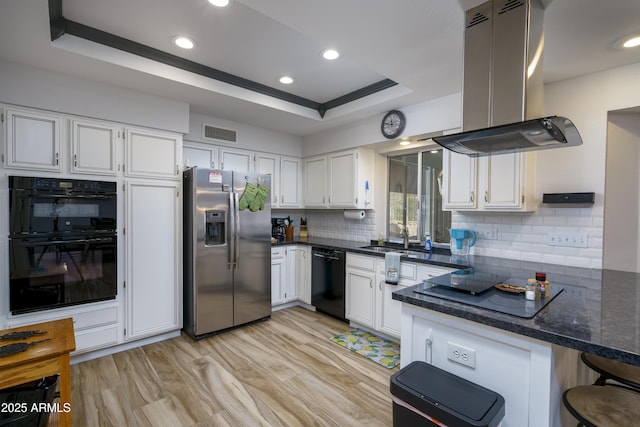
[278,229]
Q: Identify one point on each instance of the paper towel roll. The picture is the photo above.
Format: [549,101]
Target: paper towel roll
[359,215]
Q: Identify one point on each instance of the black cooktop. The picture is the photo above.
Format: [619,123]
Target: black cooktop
[484,295]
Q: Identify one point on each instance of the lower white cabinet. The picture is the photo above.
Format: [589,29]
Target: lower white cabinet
[530,374]
[95,325]
[153,241]
[369,299]
[290,274]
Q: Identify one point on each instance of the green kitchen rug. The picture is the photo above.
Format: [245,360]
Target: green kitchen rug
[381,351]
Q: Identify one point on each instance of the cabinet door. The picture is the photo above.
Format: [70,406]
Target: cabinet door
[236,160]
[360,297]
[270,164]
[390,310]
[94,148]
[289,183]
[303,274]
[342,180]
[200,156]
[32,140]
[315,181]
[154,251]
[278,276]
[152,154]
[460,181]
[503,187]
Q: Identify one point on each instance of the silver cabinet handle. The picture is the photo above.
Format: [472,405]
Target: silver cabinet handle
[380,284]
[57,159]
[281,199]
[471,198]
[486,196]
[75,160]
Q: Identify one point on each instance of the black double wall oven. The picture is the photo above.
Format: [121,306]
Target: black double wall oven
[62,242]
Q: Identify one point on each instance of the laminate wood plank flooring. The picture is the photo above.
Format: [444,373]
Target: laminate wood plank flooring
[282,372]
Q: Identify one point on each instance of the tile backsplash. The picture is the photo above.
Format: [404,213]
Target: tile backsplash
[524,236]
[331,224]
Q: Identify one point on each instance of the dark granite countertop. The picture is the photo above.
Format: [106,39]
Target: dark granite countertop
[597,312]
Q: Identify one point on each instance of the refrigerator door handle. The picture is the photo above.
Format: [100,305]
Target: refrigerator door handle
[236,230]
[231,232]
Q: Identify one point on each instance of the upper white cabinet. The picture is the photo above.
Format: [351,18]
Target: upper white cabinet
[290,188]
[200,155]
[269,164]
[152,154]
[94,147]
[236,160]
[32,140]
[347,178]
[315,182]
[501,182]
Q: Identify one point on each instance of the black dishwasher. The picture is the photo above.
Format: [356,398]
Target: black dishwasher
[327,282]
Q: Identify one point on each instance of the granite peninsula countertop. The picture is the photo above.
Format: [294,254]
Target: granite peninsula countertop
[597,312]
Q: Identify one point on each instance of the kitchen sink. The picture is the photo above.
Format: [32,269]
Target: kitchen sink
[385,249]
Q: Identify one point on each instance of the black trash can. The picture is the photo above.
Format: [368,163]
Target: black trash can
[424,395]
[21,404]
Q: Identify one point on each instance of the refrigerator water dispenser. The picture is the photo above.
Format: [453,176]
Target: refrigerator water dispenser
[214,228]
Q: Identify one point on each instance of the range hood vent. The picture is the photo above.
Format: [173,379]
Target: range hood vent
[502,97]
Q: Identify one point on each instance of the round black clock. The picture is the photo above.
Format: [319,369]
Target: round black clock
[393,124]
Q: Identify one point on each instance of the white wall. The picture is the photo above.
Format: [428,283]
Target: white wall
[427,117]
[622,195]
[32,87]
[248,137]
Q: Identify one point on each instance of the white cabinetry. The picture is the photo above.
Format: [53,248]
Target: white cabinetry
[315,182]
[32,140]
[299,271]
[153,257]
[340,180]
[236,160]
[369,300]
[152,154]
[94,147]
[285,178]
[360,292]
[290,177]
[290,274]
[501,182]
[95,325]
[530,374]
[350,173]
[200,155]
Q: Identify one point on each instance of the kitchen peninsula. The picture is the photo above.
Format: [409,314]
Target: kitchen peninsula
[529,361]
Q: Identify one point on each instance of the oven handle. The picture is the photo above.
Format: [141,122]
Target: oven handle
[103,196]
[60,242]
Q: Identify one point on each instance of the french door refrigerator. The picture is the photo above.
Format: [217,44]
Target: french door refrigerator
[227,250]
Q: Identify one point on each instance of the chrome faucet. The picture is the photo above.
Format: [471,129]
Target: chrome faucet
[405,236]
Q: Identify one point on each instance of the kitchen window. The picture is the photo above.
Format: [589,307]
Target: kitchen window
[415,197]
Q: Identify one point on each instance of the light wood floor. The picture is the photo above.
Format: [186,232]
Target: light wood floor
[282,372]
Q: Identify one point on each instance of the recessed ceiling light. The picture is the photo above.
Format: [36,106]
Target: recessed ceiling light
[184,42]
[286,80]
[405,142]
[434,151]
[632,42]
[330,54]
[628,41]
[220,3]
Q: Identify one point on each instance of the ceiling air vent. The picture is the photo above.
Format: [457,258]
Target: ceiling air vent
[218,134]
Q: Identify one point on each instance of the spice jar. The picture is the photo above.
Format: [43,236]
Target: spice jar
[530,290]
[541,278]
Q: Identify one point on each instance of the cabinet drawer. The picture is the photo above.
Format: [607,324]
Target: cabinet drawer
[277,252]
[90,319]
[408,270]
[91,339]
[361,262]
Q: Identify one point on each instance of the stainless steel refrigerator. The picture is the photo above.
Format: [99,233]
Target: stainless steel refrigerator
[227,250]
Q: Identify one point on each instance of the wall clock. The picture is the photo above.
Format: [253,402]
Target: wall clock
[393,124]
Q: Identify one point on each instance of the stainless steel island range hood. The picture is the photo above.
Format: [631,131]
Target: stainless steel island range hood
[502,102]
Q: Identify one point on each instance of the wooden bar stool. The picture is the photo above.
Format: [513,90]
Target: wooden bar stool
[608,369]
[603,406]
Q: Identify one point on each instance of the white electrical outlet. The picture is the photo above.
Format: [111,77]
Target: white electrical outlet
[460,354]
[573,240]
[488,233]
